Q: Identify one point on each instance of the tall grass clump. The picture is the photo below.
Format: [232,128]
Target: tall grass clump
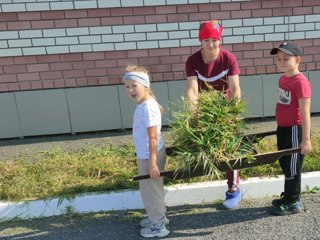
[210,134]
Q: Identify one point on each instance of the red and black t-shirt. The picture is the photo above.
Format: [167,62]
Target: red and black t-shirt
[216,72]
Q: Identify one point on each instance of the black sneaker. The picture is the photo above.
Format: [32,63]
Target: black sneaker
[279,201]
[286,208]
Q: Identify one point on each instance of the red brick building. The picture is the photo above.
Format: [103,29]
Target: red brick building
[61,62]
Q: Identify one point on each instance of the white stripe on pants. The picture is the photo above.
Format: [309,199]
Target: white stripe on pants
[152,190]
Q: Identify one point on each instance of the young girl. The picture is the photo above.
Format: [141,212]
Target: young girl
[150,150]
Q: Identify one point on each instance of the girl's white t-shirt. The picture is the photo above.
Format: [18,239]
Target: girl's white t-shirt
[146,114]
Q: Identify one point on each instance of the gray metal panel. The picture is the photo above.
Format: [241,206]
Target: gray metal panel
[177,90]
[43,112]
[94,108]
[9,120]
[252,95]
[314,77]
[160,90]
[270,93]
[127,107]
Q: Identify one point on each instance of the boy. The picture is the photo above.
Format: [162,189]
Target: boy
[293,125]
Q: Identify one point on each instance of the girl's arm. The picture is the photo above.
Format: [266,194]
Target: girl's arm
[153,152]
[304,105]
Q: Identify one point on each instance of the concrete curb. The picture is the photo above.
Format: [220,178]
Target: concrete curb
[175,195]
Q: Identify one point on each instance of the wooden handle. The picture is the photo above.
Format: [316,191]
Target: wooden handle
[233,164]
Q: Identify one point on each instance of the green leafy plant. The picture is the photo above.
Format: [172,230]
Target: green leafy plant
[310,190]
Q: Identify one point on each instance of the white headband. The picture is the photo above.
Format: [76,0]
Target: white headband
[140,77]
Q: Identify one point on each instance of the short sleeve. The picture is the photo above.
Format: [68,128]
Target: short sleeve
[152,114]
[233,65]
[303,88]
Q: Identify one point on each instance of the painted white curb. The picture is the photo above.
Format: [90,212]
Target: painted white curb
[175,195]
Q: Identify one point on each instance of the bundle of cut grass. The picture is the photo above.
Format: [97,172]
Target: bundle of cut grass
[210,134]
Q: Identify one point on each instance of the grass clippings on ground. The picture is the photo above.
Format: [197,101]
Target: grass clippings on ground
[209,132]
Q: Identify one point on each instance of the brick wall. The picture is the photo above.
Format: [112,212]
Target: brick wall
[60,44]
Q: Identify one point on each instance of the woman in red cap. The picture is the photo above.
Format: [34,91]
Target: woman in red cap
[218,67]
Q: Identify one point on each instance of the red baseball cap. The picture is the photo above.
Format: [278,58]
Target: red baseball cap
[210,29]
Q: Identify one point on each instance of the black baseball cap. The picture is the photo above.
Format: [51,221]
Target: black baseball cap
[289,48]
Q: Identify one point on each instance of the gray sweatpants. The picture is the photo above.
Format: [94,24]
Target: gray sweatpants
[152,190]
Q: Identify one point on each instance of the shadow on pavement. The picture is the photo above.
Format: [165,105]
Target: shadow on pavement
[198,220]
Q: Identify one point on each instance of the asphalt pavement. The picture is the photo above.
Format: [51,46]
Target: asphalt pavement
[250,221]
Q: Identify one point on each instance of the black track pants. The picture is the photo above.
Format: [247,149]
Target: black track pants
[291,165]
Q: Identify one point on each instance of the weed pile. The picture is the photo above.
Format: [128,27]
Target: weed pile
[210,134]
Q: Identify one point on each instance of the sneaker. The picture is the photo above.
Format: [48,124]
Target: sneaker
[232,199]
[281,200]
[286,208]
[147,223]
[278,202]
[155,230]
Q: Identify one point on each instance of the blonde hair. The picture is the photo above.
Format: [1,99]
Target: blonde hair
[139,68]
[136,68]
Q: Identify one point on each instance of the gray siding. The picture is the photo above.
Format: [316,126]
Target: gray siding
[45,112]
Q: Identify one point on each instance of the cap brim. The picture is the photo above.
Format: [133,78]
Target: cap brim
[274,51]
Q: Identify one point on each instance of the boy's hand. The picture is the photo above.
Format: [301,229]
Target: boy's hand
[305,147]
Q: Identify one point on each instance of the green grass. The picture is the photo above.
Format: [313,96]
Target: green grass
[58,173]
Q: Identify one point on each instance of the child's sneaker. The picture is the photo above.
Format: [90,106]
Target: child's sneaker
[147,223]
[155,230]
[232,199]
[286,208]
[281,200]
